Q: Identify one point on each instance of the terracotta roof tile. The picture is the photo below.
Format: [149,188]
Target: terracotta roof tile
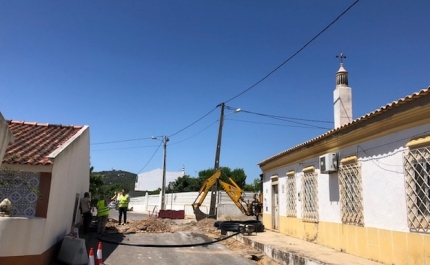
[35,141]
[420,94]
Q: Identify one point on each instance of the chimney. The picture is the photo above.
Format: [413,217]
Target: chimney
[342,97]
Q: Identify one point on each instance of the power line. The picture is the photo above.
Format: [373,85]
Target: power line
[294,55]
[123,148]
[258,82]
[150,158]
[196,133]
[281,117]
[288,119]
[186,127]
[243,92]
[121,141]
[274,124]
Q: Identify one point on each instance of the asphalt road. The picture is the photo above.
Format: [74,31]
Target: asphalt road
[157,252]
[195,255]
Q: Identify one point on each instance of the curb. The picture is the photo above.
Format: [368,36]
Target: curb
[283,257]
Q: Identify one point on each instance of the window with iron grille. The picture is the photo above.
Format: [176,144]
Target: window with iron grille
[310,196]
[351,200]
[417,183]
[291,196]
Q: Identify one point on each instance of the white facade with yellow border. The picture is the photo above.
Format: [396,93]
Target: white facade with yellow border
[376,202]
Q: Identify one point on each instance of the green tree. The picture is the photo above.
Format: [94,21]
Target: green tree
[254,187]
[239,176]
[96,183]
[157,191]
[184,184]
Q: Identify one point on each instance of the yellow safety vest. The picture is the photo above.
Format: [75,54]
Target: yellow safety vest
[123,200]
[102,209]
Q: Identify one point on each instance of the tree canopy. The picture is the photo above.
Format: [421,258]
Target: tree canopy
[188,183]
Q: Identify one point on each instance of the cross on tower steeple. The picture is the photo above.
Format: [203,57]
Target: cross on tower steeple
[341,56]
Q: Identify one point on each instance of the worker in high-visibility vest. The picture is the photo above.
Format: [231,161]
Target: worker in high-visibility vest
[102,214]
[123,199]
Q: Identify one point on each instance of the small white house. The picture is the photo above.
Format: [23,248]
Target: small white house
[153,180]
[361,188]
[44,173]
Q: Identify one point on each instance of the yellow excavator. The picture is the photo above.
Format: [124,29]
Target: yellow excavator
[233,191]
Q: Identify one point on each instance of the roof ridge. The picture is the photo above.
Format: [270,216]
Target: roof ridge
[393,104]
[44,124]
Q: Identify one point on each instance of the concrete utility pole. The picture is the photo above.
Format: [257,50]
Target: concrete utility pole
[163,187]
[212,209]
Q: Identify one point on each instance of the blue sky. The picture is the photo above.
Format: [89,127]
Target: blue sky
[135,69]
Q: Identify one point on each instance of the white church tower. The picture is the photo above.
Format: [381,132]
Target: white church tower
[342,97]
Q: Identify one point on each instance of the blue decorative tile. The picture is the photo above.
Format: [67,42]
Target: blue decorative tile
[21,189]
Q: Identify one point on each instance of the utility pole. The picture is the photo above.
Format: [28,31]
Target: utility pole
[163,187]
[212,209]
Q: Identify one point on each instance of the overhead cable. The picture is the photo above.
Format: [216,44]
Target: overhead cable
[121,141]
[294,55]
[193,122]
[149,159]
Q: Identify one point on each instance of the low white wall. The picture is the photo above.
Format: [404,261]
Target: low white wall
[21,235]
[231,212]
[184,201]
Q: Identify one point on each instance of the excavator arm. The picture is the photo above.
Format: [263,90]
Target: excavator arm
[233,191]
[203,192]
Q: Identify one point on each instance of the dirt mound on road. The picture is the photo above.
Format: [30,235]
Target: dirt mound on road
[142,226]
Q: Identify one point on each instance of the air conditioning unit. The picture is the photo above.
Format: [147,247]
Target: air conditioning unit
[328,163]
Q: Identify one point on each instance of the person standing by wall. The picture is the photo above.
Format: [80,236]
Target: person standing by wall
[86,212]
[123,200]
[102,215]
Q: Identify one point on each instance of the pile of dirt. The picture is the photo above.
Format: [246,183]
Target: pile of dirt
[205,226]
[142,226]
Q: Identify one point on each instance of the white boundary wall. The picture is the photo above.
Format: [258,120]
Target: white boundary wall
[183,201]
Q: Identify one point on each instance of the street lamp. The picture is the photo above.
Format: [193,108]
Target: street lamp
[217,154]
[163,187]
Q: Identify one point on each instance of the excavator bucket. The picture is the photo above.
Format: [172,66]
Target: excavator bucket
[200,215]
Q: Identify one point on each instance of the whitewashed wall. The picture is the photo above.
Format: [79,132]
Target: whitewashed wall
[383,184]
[70,175]
[180,201]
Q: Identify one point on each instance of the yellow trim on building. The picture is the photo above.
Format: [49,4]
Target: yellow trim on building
[274,179]
[309,169]
[381,245]
[349,160]
[419,142]
[290,173]
[267,220]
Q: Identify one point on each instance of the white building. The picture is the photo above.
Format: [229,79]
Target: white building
[361,188]
[152,180]
[46,171]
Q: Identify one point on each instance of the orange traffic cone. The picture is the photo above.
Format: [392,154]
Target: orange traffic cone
[99,259]
[91,257]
